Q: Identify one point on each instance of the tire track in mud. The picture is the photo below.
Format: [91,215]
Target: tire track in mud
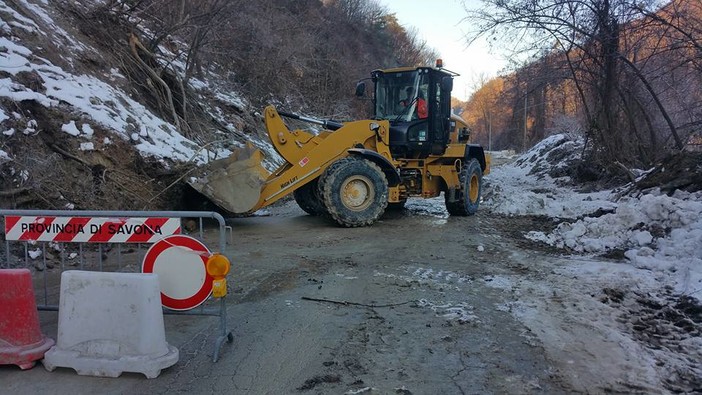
[666,323]
[439,343]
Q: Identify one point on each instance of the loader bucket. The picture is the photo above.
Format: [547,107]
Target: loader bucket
[233,183]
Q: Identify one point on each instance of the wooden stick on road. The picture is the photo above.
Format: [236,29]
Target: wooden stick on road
[345,303]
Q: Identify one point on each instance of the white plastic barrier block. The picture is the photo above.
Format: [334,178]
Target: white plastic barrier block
[110,323]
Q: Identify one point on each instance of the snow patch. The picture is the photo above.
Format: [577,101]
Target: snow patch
[450,311]
[34,254]
[71,129]
[500,282]
[87,146]
[656,232]
[524,187]
[87,130]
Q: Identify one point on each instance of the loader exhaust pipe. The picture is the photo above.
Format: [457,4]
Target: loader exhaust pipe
[327,124]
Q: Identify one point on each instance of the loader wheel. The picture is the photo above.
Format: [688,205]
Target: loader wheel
[471,177]
[354,191]
[308,200]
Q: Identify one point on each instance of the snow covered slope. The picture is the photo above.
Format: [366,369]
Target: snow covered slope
[654,231]
[81,123]
[91,99]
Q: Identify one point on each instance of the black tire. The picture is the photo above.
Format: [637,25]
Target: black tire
[308,200]
[471,178]
[323,179]
[354,191]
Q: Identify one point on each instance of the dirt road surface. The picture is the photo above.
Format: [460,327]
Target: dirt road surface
[419,303]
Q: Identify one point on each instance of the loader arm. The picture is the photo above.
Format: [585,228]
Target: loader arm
[307,155]
[290,144]
[240,184]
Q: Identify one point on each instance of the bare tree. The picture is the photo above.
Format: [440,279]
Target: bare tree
[673,59]
[587,35]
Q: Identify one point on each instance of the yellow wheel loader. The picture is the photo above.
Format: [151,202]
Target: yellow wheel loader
[351,171]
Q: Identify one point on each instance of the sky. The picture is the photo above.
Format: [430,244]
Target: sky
[440,24]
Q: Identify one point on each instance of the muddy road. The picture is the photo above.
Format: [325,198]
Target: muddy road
[419,303]
[400,307]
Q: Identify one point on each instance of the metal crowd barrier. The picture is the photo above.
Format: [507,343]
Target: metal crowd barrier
[38,256]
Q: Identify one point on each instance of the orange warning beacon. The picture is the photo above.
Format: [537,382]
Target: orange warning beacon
[218,267]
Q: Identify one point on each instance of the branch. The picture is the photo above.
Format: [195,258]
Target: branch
[15,191]
[628,172]
[134,43]
[661,107]
[69,155]
[345,303]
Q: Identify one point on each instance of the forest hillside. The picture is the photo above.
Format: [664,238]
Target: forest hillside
[109,104]
[626,75]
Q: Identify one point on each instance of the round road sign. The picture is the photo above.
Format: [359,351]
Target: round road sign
[180,263]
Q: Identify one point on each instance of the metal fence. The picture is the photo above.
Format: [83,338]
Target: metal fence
[48,256]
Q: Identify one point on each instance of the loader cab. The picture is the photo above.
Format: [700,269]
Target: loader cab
[417,102]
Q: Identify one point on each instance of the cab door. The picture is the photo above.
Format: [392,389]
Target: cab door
[440,112]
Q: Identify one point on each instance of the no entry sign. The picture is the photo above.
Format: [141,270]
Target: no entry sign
[89,229]
[180,262]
